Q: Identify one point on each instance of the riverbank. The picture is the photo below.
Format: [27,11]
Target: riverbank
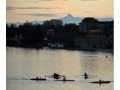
[36,46]
[96,49]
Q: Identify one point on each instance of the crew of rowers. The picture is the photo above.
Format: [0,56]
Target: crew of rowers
[64,77]
[100,81]
[37,78]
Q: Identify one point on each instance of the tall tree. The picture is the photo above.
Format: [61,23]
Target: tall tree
[12,30]
[37,35]
[7,31]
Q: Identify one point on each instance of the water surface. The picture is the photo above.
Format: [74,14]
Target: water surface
[23,64]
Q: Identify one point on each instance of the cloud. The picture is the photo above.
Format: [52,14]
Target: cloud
[49,0]
[44,15]
[35,2]
[10,8]
[89,12]
[14,8]
[56,0]
[92,0]
[67,0]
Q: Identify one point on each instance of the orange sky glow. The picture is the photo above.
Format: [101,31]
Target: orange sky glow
[31,10]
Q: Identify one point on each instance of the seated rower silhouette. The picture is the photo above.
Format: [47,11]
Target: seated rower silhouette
[37,78]
[100,81]
[85,75]
[64,78]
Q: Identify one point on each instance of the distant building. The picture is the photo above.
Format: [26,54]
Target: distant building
[18,36]
[95,31]
[103,24]
[95,41]
[88,23]
[95,34]
[50,31]
[108,26]
[57,45]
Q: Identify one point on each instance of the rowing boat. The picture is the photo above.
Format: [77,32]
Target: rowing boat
[101,82]
[38,79]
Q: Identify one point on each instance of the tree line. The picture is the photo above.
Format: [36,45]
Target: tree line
[34,33]
[54,30]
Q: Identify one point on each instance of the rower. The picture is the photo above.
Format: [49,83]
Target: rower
[56,75]
[85,75]
[106,56]
[100,81]
[64,78]
[37,78]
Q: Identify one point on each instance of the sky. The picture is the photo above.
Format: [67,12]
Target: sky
[103,8]
[31,10]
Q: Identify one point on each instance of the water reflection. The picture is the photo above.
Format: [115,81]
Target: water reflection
[29,63]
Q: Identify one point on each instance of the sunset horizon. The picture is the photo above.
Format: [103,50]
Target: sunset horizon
[40,10]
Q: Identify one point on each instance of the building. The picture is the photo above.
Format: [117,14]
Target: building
[94,34]
[91,41]
[107,26]
[94,38]
[103,24]
[49,31]
[49,34]
[88,23]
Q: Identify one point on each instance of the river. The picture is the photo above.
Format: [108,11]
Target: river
[22,64]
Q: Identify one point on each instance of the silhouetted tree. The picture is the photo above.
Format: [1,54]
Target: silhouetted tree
[7,31]
[27,29]
[54,24]
[11,31]
[71,27]
[37,35]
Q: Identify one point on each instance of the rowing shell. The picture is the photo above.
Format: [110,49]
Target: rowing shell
[38,79]
[101,82]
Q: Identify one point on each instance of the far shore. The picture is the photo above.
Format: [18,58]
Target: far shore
[94,49]
[83,49]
